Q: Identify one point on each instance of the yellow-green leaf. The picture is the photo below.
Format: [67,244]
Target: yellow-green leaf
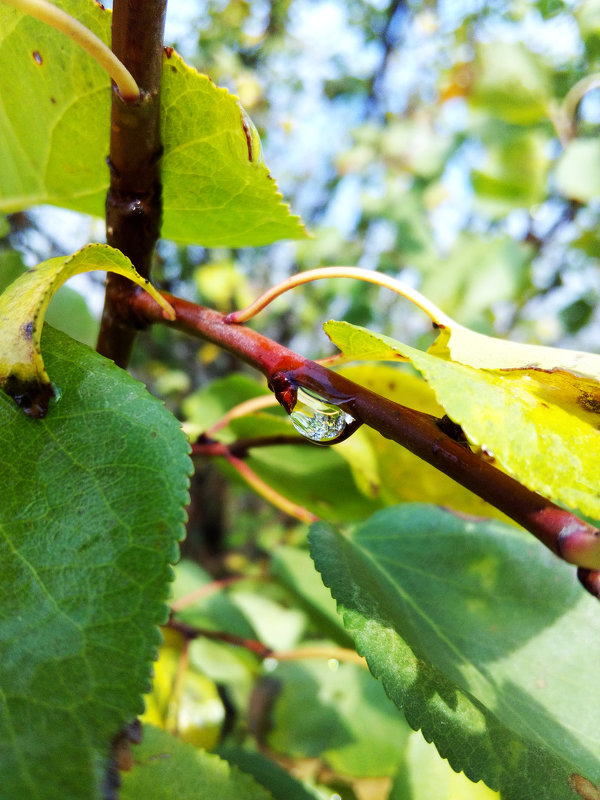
[401,476]
[541,427]
[23,306]
[486,352]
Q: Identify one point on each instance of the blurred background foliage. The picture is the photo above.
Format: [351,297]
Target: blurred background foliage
[453,145]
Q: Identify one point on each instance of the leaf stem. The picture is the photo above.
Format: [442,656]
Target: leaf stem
[328,652]
[576,93]
[71,27]
[254,480]
[190,632]
[356,273]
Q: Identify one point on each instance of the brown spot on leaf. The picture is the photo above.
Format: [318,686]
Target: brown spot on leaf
[53,99]
[168,51]
[27,329]
[583,787]
[589,401]
[32,397]
[37,57]
[248,134]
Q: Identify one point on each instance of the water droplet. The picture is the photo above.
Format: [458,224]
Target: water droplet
[318,420]
[270,664]
[57,393]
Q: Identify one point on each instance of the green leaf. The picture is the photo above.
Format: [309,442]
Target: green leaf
[215,611]
[352,724]
[23,307]
[91,508]
[511,83]
[54,138]
[541,425]
[317,478]
[295,568]
[578,170]
[480,636]
[268,773]
[167,769]
[588,18]
[514,174]
[68,312]
[476,274]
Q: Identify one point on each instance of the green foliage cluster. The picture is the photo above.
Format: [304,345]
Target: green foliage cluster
[472,632]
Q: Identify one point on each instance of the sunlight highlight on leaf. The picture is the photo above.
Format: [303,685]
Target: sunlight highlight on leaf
[54,138]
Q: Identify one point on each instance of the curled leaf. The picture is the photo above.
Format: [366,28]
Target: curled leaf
[23,306]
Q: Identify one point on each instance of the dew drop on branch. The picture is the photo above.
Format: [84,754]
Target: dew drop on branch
[318,420]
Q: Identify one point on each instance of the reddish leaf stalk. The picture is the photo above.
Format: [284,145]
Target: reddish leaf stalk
[133,203]
[191,632]
[561,531]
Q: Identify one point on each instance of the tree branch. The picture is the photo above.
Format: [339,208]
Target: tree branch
[133,204]
[561,531]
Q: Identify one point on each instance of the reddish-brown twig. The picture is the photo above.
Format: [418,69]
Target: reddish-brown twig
[564,533]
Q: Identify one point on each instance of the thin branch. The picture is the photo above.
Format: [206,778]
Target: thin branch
[190,632]
[320,651]
[203,591]
[241,447]
[561,531]
[71,27]
[255,481]
[133,203]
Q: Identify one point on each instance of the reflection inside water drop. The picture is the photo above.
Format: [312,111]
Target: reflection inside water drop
[318,420]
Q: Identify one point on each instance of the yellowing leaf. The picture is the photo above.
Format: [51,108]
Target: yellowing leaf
[401,476]
[185,703]
[23,306]
[542,427]
[486,352]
